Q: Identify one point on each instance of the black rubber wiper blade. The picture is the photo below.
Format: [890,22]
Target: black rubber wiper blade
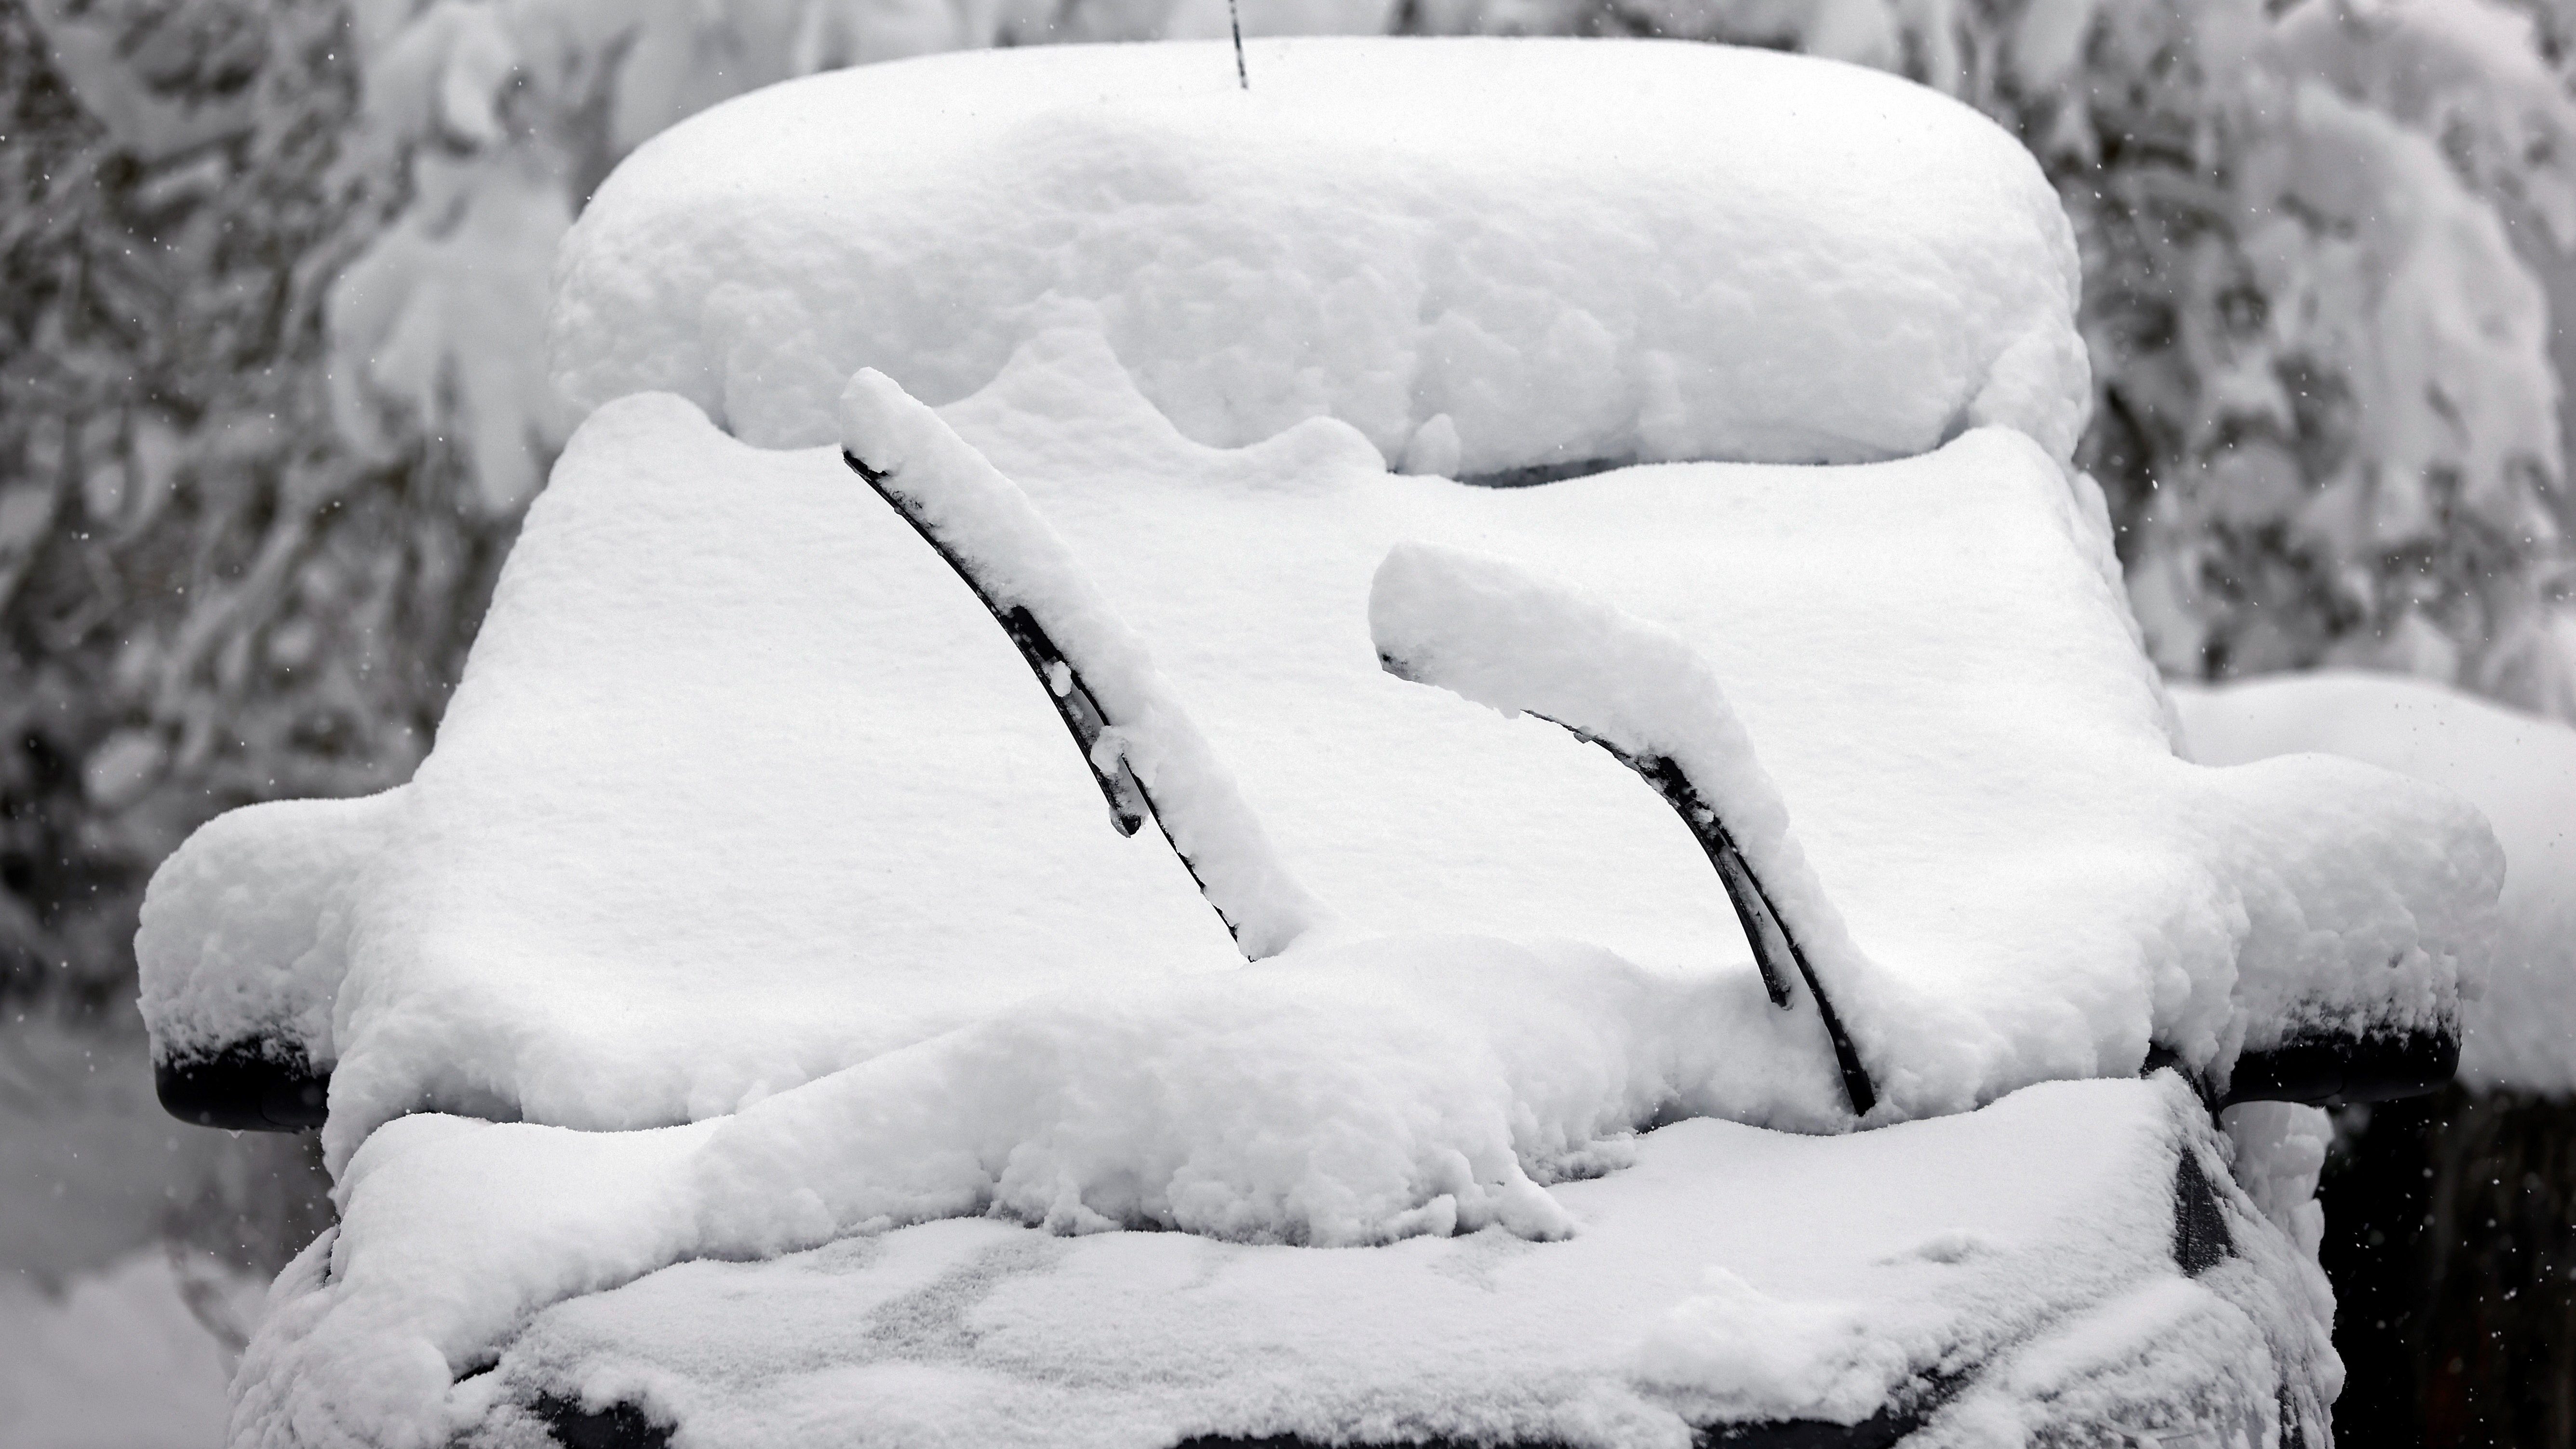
[1776,952]
[1129,803]
[1496,634]
[992,538]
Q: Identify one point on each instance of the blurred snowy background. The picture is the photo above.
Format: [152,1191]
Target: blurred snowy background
[274,397]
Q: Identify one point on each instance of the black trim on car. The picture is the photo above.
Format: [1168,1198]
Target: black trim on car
[266,1087]
[2318,1068]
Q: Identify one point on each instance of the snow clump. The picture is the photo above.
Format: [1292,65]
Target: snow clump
[1728,1274]
[1332,1096]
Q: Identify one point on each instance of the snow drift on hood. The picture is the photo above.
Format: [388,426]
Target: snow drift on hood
[1726,1274]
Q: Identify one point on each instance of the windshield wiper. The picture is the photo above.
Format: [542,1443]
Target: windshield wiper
[1491,632]
[1130,728]
[1776,952]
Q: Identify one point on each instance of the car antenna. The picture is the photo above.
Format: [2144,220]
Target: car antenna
[1234,18]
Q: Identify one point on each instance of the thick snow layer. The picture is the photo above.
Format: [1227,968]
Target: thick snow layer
[743,787]
[1358,1094]
[1730,1273]
[2518,768]
[1483,255]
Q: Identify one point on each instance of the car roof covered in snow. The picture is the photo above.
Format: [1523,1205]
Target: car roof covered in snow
[1485,255]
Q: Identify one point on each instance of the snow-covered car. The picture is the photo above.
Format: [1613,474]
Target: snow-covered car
[746,1031]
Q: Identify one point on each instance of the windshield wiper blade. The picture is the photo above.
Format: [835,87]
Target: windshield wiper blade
[1130,804]
[1496,634]
[1776,952]
[1133,731]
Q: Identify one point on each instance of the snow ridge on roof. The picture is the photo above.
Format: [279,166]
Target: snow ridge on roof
[1485,255]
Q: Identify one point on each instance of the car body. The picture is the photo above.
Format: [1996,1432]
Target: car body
[744,1030]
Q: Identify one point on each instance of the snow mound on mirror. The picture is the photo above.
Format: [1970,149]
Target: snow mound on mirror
[245,929]
[1485,255]
[2518,768]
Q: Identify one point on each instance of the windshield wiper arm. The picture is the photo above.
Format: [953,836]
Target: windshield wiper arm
[1132,730]
[1776,952]
[1489,631]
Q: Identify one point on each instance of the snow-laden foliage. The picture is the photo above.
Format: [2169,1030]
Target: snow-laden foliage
[206,595]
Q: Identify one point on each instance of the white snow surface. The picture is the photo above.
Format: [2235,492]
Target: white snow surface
[1729,1273]
[1482,254]
[1492,632]
[2518,768]
[742,787]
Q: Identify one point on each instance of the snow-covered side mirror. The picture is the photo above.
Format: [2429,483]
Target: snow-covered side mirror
[1144,750]
[242,945]
[1491,632]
